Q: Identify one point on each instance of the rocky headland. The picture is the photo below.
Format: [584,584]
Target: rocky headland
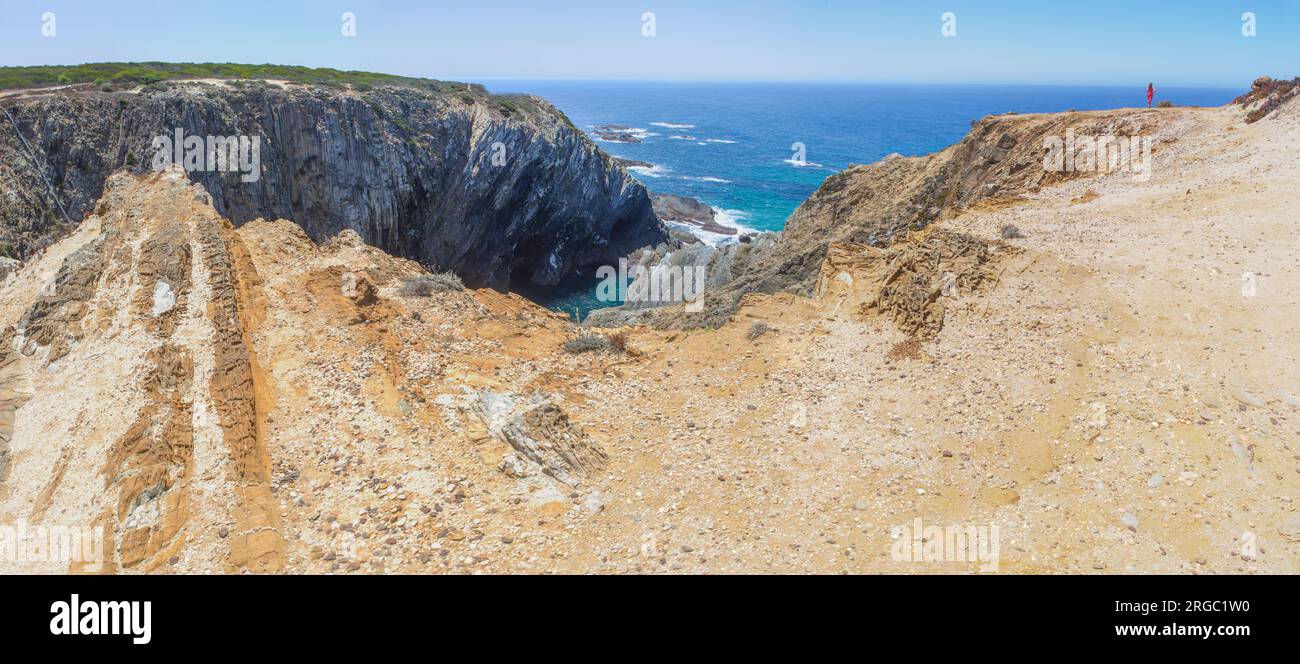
[1112,386]
[501,190]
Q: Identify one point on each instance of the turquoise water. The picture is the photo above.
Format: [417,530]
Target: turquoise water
[730,145]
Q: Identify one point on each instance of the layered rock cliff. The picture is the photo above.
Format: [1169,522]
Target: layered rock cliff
[502,190]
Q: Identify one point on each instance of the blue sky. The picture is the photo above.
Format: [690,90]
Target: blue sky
[1173,42]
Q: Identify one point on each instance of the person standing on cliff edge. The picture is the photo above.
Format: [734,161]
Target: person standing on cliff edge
[1151,93]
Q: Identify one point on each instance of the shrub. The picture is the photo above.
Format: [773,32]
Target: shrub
[428,284]
[606,343]
[1165,103]
[617,342]
[758,329]
[1010,232]
[587,343]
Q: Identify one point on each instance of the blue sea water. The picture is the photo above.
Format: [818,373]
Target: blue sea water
[731,144]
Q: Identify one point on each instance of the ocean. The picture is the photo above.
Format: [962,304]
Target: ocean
[733,145]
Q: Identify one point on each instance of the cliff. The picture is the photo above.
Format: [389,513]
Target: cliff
[1110,388]
[502,190]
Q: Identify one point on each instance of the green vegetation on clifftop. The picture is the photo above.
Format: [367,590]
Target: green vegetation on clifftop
[114,76]
[124,74]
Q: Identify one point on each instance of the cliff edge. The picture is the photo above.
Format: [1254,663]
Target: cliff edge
[502,190]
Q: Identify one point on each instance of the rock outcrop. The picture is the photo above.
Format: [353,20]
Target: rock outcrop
[502,191]
[687,210]
[542,434]
[149,315]
[1266,96]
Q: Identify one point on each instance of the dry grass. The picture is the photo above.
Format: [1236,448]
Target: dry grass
[604,343]
[904,350]
[428,284]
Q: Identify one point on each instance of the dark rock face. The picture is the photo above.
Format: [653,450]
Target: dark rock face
[501,192]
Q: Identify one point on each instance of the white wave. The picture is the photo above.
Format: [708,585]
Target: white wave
[733,218]
[707,178]
[803,164]
[651,171]
[719,140]
[682,138]
[670,125]
[723,217]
